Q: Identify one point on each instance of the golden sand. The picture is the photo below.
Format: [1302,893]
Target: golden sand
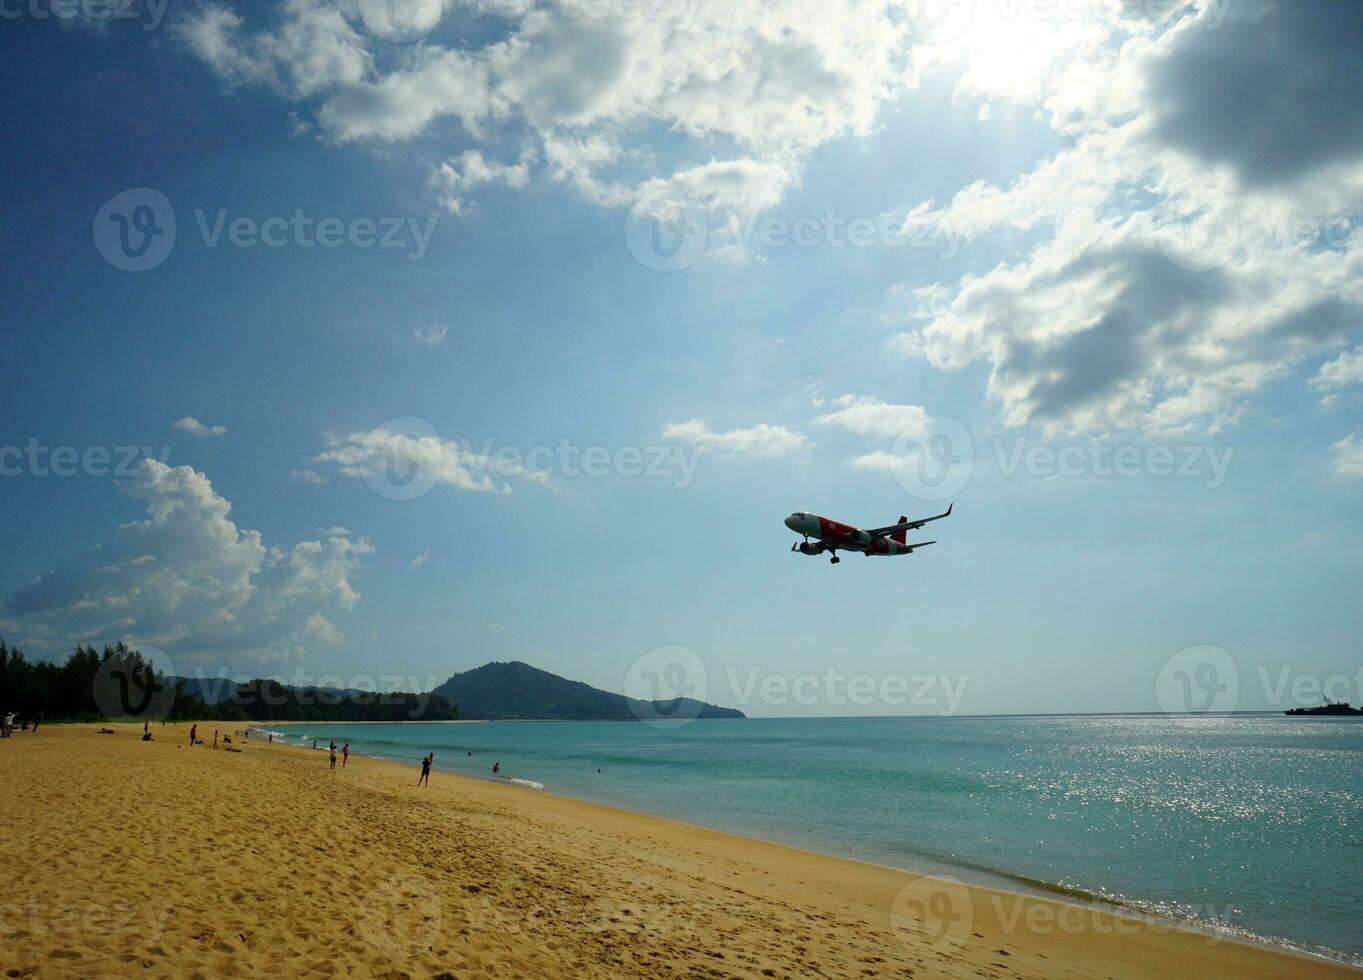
[125,857]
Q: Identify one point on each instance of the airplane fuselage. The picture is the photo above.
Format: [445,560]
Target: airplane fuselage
[834,536]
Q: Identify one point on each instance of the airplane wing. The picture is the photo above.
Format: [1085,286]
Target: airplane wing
[881,532]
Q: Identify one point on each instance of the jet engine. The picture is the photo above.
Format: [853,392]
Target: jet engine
[809,548]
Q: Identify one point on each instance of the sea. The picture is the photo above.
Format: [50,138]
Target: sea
[1250,825]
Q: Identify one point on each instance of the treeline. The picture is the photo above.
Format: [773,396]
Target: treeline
[119,683]
[269,700]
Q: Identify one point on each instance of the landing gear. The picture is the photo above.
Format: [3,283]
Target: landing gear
[834,560]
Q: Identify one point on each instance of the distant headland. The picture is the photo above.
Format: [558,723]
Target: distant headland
[517,691]
[1328,708]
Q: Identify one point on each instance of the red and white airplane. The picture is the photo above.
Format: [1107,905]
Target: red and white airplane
[834,537]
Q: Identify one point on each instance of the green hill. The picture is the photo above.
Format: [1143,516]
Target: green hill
[516,690]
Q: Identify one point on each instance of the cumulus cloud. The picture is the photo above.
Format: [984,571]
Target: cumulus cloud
[1344,371]
[196,428]
[871,416]
[188,580]
[453,178]
[1348,456]
[420,559]
[385,456]
[773,81]
[1172,267]
[314,48]
[758,440]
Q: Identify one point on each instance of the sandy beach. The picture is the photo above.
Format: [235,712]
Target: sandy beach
[125,857]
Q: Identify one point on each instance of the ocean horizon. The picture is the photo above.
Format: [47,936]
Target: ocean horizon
[1247,824]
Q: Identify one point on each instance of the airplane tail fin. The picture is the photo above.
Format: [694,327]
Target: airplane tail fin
[899,535]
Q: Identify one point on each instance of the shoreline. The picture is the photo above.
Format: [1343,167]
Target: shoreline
[968,875]
[263,861]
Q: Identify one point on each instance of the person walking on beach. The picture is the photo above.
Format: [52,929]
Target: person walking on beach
[425,776]
[345,754]
[333,755]
[193,734]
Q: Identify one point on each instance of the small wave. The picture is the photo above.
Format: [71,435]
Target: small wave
[265,732]
[526,782]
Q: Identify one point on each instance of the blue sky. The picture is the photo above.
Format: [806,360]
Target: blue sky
[1035,278]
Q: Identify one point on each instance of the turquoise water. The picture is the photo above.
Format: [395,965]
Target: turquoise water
[1252,823]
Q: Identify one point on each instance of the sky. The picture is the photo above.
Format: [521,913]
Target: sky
[366,342]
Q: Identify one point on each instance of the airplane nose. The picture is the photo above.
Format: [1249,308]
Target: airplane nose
[790,523]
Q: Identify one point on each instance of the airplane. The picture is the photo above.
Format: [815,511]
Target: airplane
[834,537]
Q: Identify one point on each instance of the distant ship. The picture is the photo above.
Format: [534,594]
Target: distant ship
[1328,708]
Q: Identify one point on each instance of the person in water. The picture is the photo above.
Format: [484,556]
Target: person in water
[425,776]
[496,767]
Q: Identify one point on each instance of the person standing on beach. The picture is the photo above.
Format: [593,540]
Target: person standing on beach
[425,776]
[345,754]
[333,755]
[193,734]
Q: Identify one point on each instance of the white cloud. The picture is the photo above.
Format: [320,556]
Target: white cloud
[189,581]
[1344,371]
[871,416]
[308,476]
[431,335]
[1160,285]
[1348,456]
[455,177]
[436,461]
[774,81]
[196,428]
[420,559]
[757,440]
[313,49]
